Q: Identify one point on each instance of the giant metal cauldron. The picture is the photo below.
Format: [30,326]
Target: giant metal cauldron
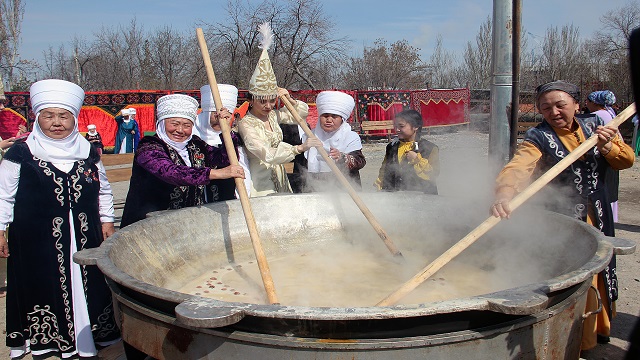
[541,318]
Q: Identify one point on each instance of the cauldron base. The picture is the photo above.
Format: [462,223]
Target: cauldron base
[552,333]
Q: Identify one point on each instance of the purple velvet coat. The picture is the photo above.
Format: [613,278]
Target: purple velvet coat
[160,179]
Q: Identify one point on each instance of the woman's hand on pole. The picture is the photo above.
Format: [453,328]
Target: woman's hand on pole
[500,207]
[605,135]
[309,143]
[231,171]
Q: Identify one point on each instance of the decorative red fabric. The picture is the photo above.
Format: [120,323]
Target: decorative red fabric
[9,121]
[442,107]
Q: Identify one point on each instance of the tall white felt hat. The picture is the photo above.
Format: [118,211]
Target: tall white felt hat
[228,95]
[262,84]
[335,102]
[177,105]
[56,93]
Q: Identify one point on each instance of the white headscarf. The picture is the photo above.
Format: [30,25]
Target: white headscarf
[53,93]
[229,97]
[181,106]
[343,139]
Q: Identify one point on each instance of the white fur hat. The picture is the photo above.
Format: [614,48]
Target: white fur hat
[125,112]
[228,95]
[56,93]
[132,111]
[335,102]
[91,127]
[177,105]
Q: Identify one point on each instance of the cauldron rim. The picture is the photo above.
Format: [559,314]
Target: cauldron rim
[521,300]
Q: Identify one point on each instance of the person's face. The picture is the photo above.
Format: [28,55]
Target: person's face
[405,130]
[178,129]
[262,107]
[591,106]
[214,121]
[56,123]
[330,122]
[2,102]
[558,108]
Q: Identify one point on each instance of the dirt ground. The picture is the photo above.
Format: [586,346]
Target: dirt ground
[464,172]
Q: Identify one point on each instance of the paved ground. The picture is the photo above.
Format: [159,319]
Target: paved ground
[465,174]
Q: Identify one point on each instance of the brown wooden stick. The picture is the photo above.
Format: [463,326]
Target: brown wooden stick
[343,180]
[242,191]
[461,245]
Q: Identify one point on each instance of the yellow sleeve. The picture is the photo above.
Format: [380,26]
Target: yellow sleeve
[378,182]
[517,172]
[427,169]
[621,155]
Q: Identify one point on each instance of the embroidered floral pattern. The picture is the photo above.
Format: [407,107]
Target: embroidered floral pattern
[57,234]
[43,328]
[57,180]
[104,326]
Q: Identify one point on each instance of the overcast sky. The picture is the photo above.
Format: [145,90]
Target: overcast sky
[55,22]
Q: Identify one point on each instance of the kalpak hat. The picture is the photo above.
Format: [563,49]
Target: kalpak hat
[177,105]
[56,93]
[262,84]
[335,102]
[228,95]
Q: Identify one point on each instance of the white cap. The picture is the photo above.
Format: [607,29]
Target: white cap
[125,112]
[132,111]
[91,127]
[335,102]
[228,95]
[177,105]
[56,93]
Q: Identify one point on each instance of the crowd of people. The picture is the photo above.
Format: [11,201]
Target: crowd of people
[55,196]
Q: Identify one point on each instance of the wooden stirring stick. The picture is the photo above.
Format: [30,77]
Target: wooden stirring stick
[461,245]
[242,191]
[343,180]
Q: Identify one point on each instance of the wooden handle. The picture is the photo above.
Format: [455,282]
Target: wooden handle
[242,191]
[343,180]
[461,245]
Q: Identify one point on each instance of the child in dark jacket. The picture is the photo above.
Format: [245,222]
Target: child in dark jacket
[410,163]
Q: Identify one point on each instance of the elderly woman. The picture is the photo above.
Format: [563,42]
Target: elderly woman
[260,130]
[172,168]
[599,103]
[341,143]
[55,194]
[579,190]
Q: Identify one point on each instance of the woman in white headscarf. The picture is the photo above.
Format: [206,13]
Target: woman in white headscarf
[208,128]
[172,168]
[55,196]
[341,143]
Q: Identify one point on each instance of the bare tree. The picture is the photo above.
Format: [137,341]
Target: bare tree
[443,64]
[397,66]
[304,38]
[477,58]
[11,15]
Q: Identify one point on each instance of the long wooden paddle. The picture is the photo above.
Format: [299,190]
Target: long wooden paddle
[461,245]
[343,180]
[242,191]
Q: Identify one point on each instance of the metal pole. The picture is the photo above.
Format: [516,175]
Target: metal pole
[500,84]
[515,65]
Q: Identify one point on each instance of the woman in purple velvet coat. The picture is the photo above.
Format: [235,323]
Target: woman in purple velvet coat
[174,168]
